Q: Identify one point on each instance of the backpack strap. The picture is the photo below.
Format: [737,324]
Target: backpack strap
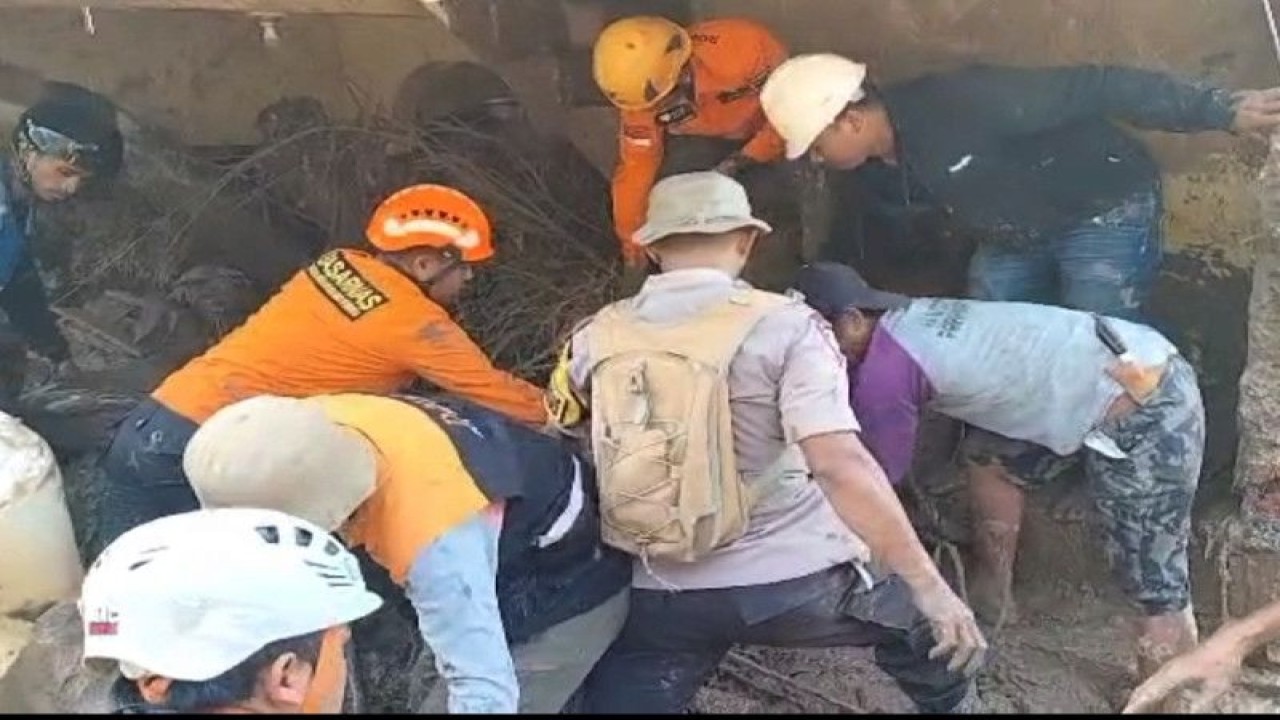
[712,338]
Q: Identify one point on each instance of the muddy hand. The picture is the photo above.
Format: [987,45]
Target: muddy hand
[954,628]
[1257,112]
[1210,669]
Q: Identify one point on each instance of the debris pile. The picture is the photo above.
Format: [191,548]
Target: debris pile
[149,272]
[557,260]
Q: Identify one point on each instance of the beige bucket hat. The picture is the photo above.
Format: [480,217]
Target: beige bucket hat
[704,202]
[281,454]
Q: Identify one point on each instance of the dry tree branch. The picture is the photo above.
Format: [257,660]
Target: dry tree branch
[741,668]
[557,259]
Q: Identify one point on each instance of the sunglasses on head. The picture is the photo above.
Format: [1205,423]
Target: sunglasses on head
[53,143]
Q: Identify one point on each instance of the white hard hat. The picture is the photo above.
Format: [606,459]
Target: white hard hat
[806,93]
[191,596]
[284,454]
[698,202]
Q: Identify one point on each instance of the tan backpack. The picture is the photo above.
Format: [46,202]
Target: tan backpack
[661,430]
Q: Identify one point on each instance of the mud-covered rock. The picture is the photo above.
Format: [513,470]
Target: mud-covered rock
[49,677]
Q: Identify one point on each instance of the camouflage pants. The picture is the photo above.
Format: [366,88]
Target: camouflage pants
[1144,499]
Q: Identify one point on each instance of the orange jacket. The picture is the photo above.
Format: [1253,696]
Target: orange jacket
[346,323]
[731,60]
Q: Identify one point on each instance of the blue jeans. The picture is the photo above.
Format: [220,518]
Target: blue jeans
[141,474]
[1106,264]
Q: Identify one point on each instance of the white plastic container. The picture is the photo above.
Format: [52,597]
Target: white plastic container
[39,563]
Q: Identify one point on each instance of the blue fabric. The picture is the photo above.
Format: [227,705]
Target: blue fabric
[453,586]
[140,477]
[15,226]
[1106,264]
[538,586]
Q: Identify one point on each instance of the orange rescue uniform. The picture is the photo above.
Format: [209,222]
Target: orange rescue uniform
[346,323]
[731,60]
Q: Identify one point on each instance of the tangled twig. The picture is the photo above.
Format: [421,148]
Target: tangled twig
[556,262]
[741,668]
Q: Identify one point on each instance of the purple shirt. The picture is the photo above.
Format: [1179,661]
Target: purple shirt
[888,389]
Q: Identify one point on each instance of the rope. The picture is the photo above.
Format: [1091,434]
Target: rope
[1271,24]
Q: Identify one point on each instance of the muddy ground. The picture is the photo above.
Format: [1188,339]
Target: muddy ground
[1066,652]
[1061,656]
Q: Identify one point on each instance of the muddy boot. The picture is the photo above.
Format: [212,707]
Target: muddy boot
[997,517]
[1161,638]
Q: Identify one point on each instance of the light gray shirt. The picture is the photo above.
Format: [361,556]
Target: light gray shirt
[1030,372]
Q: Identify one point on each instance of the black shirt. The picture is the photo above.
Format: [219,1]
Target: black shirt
[1017,155]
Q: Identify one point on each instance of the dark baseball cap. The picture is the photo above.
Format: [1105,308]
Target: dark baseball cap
[833,289]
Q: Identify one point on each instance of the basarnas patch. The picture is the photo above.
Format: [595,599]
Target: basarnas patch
[344,286]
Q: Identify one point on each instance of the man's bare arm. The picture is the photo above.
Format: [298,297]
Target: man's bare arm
[861,495]
[1211,668]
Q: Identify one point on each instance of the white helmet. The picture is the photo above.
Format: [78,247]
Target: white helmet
[191,596]
[807,93]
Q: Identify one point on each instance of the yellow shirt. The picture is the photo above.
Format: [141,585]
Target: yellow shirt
[423,488]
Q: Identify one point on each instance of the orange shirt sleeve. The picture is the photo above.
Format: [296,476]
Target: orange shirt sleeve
[640,151]
[765,146]
[760,54]
[433,346]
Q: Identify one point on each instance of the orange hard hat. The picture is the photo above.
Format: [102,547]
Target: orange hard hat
[431,216]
